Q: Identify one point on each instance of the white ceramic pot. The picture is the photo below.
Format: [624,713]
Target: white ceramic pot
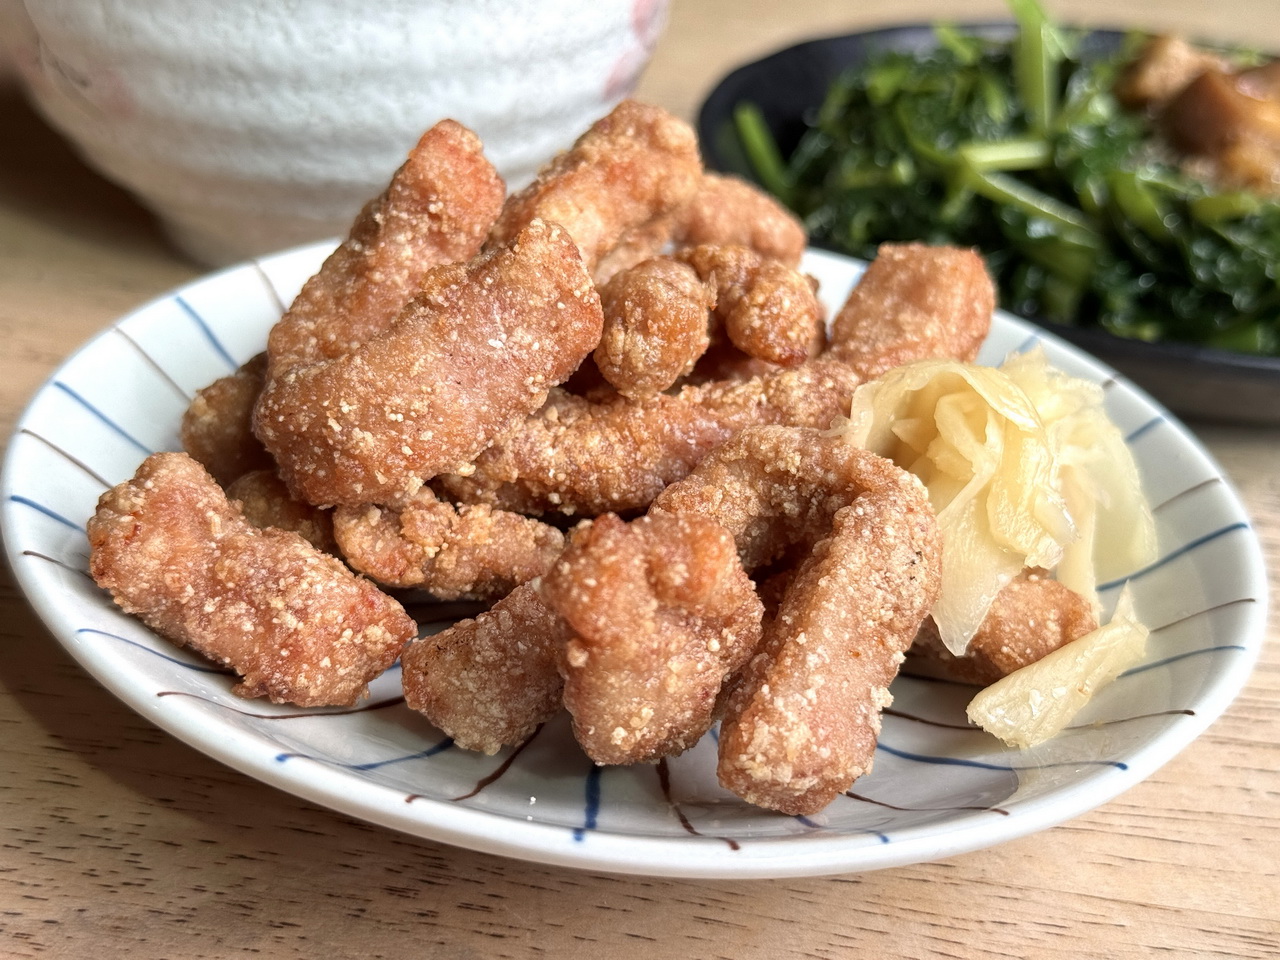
[252,125]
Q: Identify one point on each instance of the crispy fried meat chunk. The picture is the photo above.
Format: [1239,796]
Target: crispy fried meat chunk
[655,326]
[489,682]
[295,623]
[473,353]
[769,310]
[217,429]
[914,302]
[802,720]
[728,210]
[455,553]
[437,209]
[724,361]
[659,613]
[1030,618]
[619,187]
[1163,69]
[265,502]
[582,457]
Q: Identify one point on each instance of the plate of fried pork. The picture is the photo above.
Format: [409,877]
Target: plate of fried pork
[605,525]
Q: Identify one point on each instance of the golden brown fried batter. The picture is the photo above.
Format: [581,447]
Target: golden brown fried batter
[655,326]
[727,210]
[455,553]
[802,721]
[475,351]
[1030,618]
[775,486]
[724,361]
[619,186]
[638,245]
[265,502]
[582,457]
[295,623]
[437,209]
[914,302]
[489,682]
[217,429]
[769,310]
[660,613]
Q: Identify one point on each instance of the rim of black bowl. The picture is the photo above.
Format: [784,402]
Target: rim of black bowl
[1231,386]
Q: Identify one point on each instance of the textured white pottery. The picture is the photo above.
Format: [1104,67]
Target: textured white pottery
[251,126]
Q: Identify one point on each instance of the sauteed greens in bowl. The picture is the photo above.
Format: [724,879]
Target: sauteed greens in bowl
[1106,180]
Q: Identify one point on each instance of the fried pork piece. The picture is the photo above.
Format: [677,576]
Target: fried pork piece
[296,624]
[455,553]
[265,502]
[655,326]
[914,302]
[582,457]
[474,352]
[585,457]
[660,613]
[801,724]
[217,429]
[727,210]
[619,186]
[1228,126]
[489,682]
[724,361]
[1162,70]
[802,720]
[1030,618]
[769,310]
[437,209]
[638,245]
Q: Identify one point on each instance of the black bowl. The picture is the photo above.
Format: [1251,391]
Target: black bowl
[789,86]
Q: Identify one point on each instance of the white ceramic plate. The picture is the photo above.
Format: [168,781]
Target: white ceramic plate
[939,787]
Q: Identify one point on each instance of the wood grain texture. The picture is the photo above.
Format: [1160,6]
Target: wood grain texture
[118,841]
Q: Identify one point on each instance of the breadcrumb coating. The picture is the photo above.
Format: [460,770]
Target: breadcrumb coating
[489,682]
[217,428]
[296,624]
[474,352]
[437,209]
[914,302]
[1029,619]
[469,552]
[660,613]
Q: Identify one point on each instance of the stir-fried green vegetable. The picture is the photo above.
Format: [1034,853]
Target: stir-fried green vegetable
[1019,148]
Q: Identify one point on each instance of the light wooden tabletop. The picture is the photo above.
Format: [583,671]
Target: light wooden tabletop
[116,840]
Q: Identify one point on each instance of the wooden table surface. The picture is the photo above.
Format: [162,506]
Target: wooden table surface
[116,840]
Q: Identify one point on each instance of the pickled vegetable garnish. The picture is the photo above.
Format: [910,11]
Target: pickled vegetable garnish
[1023,468]
[1033,704]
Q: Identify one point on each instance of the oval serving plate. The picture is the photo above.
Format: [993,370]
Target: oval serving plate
[790,84]
[939,786]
